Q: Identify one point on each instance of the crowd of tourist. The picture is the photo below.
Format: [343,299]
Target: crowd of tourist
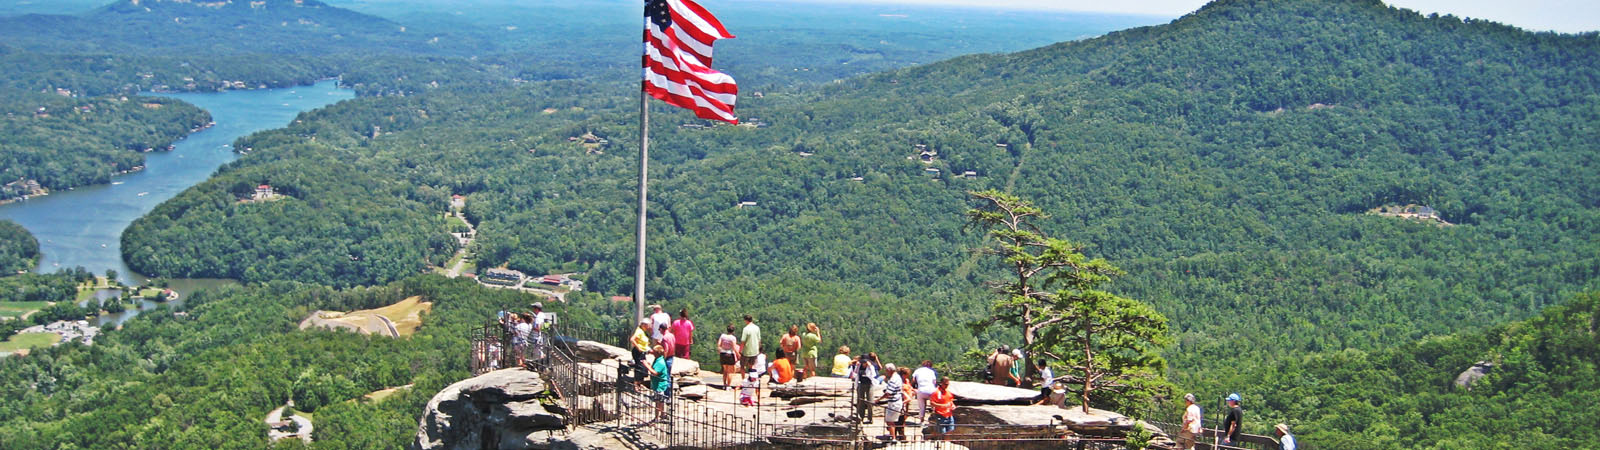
[660,339]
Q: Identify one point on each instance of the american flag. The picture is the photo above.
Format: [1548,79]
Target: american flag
[677,59]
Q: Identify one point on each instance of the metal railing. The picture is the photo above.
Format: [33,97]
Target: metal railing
[1211,438]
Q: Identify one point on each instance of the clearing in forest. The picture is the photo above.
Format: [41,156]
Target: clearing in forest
[397,320]
[24,341]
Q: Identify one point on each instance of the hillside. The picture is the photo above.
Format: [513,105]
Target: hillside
[19,250]
[1226,160]
[1544,376]
[59,143]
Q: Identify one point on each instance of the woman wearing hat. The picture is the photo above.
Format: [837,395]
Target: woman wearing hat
[1287,440]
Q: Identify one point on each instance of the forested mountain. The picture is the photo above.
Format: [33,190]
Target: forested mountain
[129,46]
[19,250]
[1226,160]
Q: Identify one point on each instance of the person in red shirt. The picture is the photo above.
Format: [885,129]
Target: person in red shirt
[683,334]
[944,408]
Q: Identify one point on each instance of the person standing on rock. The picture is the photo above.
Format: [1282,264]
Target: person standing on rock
[750,338]
[862,373]
[536,337]
[790,344]
[1191,423]
[944,408]
[658,321]
[728,355]
[894,409]
[1232,422]
[524,332]
[683,334]
[926,381]
[1000,366]
[668,343]
[809,343]
[1018,366]
[1047,379]
[660,381]
[639,345]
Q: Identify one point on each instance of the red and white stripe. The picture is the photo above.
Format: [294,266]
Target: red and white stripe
[677,63]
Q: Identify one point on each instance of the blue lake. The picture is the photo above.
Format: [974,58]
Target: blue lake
[83,226]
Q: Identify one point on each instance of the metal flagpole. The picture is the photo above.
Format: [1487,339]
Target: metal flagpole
[644,180]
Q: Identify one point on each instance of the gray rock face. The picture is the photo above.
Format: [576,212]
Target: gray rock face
[1472,374]
[592,351]
[499,409]
[968,393]
[685,367]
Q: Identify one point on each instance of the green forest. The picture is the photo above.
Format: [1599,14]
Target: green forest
[19,250]
[61,143]
[1225,161]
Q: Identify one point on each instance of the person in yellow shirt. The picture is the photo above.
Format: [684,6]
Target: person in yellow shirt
[639,344]
[841,362]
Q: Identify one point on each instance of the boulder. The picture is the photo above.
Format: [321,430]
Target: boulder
[497,407]
[969,393]
[816,387]
[1096,421]
[592,351]
[1472,374]
[690,381]
[683,367]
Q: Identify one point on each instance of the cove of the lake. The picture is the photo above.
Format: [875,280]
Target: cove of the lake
[83,226]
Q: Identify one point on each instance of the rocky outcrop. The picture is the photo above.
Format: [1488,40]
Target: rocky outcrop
[685,367]
[1472,374]
[500,409]
[968,393]
[592,351]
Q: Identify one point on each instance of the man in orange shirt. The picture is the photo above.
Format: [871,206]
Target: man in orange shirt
[944,408]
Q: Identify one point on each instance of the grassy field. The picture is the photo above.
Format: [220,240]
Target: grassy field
[29,340]
[381,394]
[17,309]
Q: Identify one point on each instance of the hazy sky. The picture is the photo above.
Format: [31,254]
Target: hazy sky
[1568,16]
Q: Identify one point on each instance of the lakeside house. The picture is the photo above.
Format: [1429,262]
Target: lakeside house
[264,192]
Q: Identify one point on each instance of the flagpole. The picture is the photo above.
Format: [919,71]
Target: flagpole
[644,180]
